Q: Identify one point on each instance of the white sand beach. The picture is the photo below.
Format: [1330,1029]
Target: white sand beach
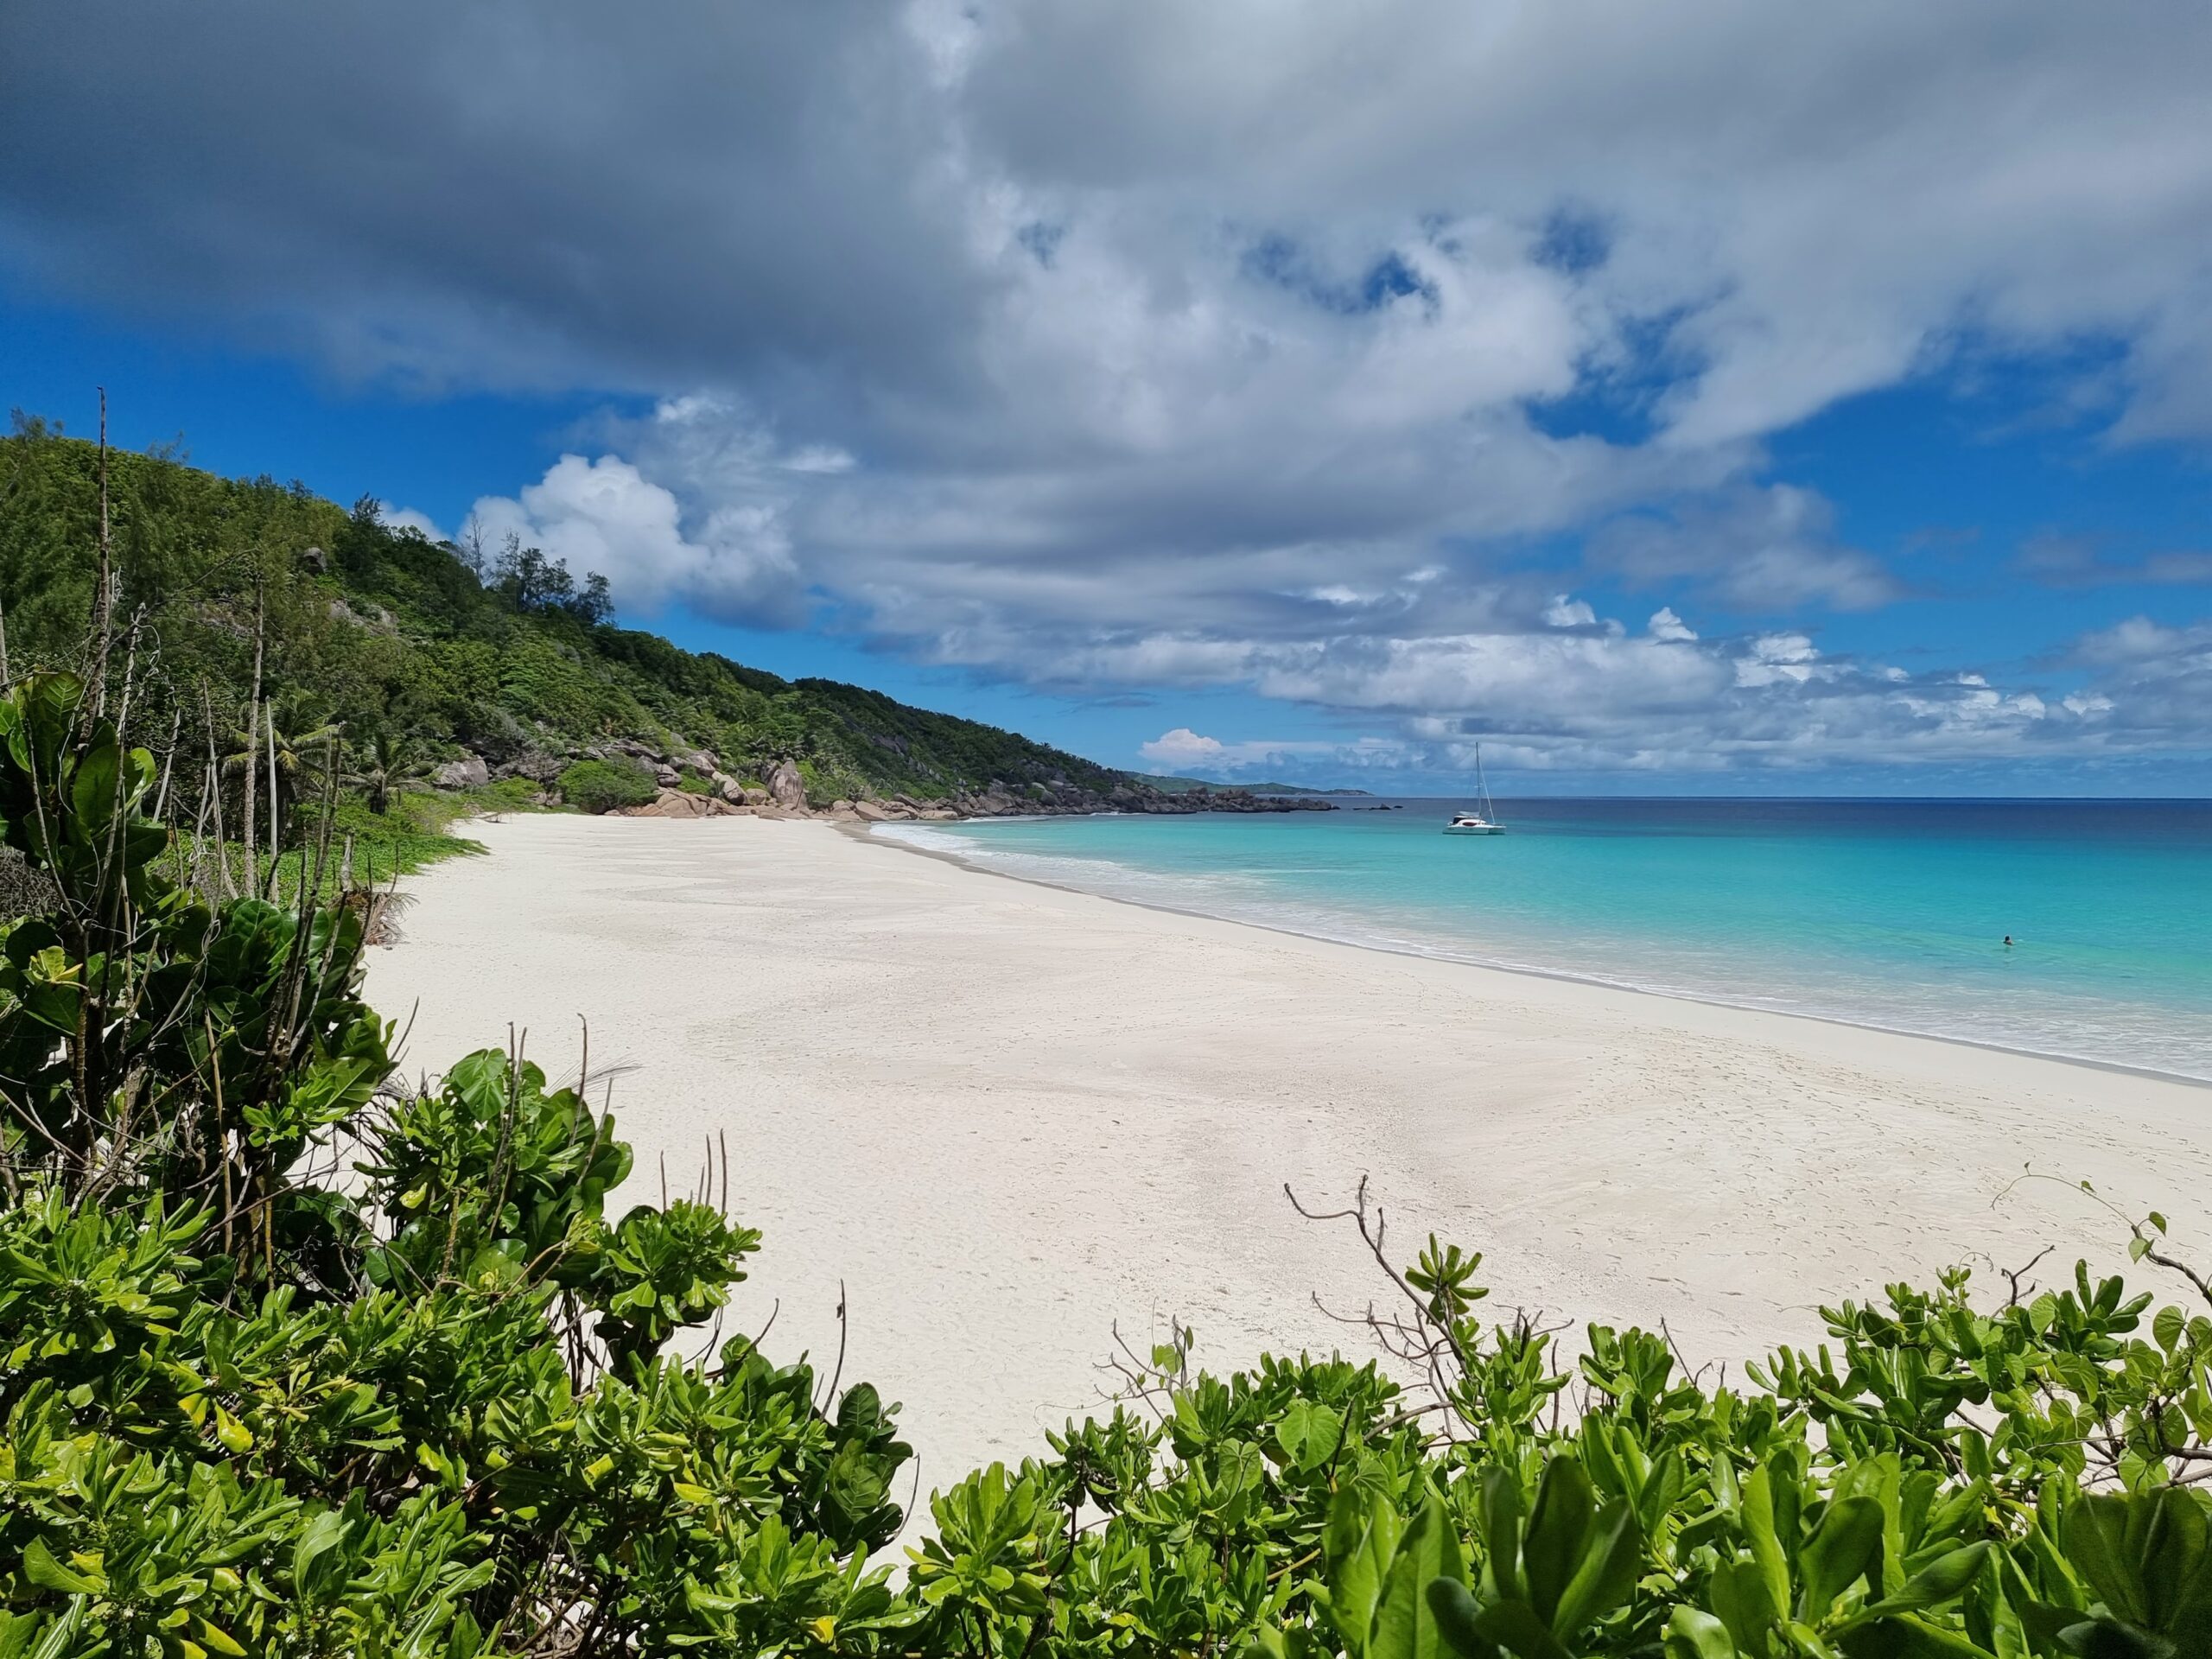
[1007,1117]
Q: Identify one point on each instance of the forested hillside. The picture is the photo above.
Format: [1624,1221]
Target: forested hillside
[493,651]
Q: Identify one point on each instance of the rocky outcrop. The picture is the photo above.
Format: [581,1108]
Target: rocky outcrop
[781,793]
[1147,799]
[785,787]
[534,764]
[1047,801]
[675,804]
[373,617]
[784,796]
[681,804]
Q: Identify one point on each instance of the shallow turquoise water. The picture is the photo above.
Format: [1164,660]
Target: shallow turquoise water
[1890,914]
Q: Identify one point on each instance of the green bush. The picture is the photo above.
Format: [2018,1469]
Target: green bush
[605,785]
[250,1408]
[507,795]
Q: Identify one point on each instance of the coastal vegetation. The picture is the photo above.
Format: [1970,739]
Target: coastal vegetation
[297,1358]
[605,785]
[269,613]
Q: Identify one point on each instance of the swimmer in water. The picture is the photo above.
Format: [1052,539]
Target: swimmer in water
[2008,941]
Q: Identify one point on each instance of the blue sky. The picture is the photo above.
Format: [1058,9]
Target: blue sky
[1724,408]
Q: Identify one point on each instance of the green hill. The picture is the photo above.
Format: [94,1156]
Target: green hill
[509,657]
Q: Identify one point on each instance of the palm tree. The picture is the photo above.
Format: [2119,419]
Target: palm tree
[288,748]
[388,767]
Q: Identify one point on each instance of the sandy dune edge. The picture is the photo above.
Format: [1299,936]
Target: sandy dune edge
[1006,1116]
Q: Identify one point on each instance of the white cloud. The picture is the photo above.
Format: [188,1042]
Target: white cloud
[2139,642]
[1603,701]
[604,515]
[1565,613]
[1776,658]
[1183,748]
[1665,625]
[2153,682]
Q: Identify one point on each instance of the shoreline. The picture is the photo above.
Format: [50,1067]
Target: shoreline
[1000,1120]
[866,834]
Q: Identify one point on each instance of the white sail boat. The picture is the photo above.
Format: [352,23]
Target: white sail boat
[1483,820]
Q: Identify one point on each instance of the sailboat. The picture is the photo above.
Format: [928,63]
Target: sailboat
[1483,820]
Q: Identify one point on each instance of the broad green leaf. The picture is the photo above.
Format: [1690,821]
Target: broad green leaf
[2097,1548]
[1767,1553]
[1361,1538]
[2172,1553]
[1940,1581]
[1500,1495]
[1404,1626]
[1841,1548]
[1745,1602]
[1457,1628]
[321,1534]
[92,789]
[1558,1523]
[1906,1638]
[1515,1627]
[1693,1633]
[40,1568]
[1606,1575]
[1308,1435]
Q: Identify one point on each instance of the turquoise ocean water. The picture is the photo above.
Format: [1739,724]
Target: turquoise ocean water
[1887,913]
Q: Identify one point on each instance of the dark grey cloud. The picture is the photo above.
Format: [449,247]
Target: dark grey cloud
[559,194]
[1755,551]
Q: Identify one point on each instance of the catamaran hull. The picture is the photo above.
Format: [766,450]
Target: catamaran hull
[1474,830]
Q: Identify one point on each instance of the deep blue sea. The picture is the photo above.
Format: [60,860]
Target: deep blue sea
[1882,912]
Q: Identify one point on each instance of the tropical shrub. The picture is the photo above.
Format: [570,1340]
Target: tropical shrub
[294,1360]
[251,1408]
[605,785]
[384,768]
